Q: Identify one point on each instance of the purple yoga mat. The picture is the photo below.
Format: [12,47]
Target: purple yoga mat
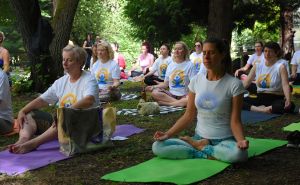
[14,164]
[126,130]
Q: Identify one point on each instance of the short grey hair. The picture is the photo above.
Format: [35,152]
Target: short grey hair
[79,53]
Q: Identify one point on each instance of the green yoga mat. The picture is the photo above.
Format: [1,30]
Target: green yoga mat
[184,171]
[292,127]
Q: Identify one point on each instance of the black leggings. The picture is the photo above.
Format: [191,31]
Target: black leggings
[276,101]
[150,80]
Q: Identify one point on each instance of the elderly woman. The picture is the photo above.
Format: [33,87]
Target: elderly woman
[177,79]
[77,89]
[273,91]
[216,99]
[107,73]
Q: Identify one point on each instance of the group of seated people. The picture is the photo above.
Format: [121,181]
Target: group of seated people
[205,86]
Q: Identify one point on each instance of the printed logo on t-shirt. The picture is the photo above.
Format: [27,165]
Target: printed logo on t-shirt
[102,76]
[197,63]
[256,61]
[207,100]
[264,80]
[177,79]
[163,70]
[68,100]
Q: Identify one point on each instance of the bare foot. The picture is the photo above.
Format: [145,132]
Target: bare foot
[20,141]
[198,144]
[267,109]
[23,148]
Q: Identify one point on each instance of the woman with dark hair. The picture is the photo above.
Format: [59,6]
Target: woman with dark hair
[216,98]
[87,45]
[119,58]
[273,91]
[256,58]
[160,66]
[144,61]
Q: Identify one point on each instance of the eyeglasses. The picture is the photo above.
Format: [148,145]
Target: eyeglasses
[197,45]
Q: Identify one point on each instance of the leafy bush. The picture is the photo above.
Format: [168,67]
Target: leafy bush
[21,80]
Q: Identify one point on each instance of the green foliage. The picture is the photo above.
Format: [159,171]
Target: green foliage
[6,16]
[106,19]
[198,33]
[21,81]
[158,21]
[247,38]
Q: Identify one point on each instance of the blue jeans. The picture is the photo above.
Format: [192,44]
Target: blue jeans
[221,149]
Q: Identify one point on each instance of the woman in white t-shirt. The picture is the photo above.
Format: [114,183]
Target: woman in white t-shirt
[273,90]
[256,58]
[159,67]
[107,73]
[178,76]
[77,89]
[216,99]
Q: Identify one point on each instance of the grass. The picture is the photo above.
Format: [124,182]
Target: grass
[87,169]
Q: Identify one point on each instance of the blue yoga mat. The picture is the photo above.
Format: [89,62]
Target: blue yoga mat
[250,117]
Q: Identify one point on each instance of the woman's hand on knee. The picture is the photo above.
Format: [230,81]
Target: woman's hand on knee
[160,136]
[243,144]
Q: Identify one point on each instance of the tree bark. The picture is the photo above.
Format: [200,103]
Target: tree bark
[287,32]
[220,23]
[28,16]
[62,25]
[43,47]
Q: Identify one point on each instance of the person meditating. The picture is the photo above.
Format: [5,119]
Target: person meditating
[216,99]
[77,89]
[177,78]
[273,90]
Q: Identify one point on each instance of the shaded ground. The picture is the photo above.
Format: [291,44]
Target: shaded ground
[279,166]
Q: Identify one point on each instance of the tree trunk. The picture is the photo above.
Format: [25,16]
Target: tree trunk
[29,21]
[62,25]
[287,32]
[44,49]
[220,23]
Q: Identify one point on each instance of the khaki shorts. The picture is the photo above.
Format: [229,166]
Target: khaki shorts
[42,119]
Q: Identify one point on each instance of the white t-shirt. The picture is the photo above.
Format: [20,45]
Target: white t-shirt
[296,60]
[255,59]
[286,64]
[179,75]
[197,60]
[268,79]
[6,112]
[105,73]
[213,100]
[65,93]
[160,66]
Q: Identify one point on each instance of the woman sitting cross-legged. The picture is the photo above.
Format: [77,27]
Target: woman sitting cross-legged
[273,90]
[107,73]
[177,79]
[77,89]
[160,66]
[216,99]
